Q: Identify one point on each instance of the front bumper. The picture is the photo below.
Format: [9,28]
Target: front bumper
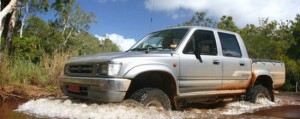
[98,89]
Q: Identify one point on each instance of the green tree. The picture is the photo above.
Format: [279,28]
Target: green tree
[294,51]
[227,23]
[272,40]
[37,39]
[30,8]
[107,45]
[71,19]
[28,48]
[86,43]
[12,11]
[199,19]
[49,36]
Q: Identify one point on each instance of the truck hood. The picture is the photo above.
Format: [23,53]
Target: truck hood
[109,56]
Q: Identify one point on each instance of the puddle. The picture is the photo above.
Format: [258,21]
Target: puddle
[7,113]
[285,106]
[287,111]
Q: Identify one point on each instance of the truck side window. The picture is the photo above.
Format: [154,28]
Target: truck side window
[230,45]
[203,41]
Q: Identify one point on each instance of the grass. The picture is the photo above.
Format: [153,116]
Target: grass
[21,73]
[4,72]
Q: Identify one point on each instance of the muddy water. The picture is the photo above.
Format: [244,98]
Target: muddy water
[286,111]
[6,110]
[287,105]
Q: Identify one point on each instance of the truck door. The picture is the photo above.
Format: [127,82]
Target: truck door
[236,67]
[197,75]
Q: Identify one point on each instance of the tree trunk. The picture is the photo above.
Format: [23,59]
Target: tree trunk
[64,34]
[1,29]
[11,26]
[4,11]
[24,18]
[10,32]
[67,38]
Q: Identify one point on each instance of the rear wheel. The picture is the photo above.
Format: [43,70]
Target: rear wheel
[152,97]
[258,94]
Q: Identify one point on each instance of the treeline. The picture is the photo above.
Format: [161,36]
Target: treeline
[25,33]
[33,49]
[278,40]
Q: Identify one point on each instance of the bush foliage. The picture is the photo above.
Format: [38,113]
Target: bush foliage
[39,54]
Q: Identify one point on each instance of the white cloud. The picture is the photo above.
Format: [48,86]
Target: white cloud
[123,43]
[243,11]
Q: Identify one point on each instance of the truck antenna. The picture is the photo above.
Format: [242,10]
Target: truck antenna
[151,19]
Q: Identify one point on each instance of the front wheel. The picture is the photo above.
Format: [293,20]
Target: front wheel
[258,94]
[152,97]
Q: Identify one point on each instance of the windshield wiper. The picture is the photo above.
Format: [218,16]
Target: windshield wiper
[143,49]
[138,49]
[151,49]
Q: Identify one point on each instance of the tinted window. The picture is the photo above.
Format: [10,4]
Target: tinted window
[203,41]
[230,45]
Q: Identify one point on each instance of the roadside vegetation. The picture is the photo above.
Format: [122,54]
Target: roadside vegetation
[33,50]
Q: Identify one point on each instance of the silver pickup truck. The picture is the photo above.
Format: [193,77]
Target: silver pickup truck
[174,66]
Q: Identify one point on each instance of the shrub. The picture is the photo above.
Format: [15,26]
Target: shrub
[18,71]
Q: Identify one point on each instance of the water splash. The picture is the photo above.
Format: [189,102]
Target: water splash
[240,107]
[57,108]
[65,108]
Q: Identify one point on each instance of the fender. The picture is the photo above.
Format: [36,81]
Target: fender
[133,72]
[258,73]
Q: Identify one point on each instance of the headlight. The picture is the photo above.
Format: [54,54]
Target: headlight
[114,68]
[110,69]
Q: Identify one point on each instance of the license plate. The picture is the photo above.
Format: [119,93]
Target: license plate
[74,88]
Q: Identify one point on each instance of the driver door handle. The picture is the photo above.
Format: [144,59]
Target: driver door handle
[242,63]
[216,62]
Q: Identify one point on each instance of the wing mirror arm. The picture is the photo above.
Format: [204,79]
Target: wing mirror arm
[198,56]
[196,51]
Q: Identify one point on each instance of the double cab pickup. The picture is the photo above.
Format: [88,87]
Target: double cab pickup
[174,66]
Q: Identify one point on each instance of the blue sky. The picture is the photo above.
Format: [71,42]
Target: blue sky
[127,21]
[129,18]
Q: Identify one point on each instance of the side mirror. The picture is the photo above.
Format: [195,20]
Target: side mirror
[198,55]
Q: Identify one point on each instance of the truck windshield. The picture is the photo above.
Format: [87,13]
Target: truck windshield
[161,40]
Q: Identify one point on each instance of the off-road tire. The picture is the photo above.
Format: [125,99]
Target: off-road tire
[256,92]
[152,97]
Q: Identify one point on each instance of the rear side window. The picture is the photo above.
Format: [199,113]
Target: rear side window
[230,45]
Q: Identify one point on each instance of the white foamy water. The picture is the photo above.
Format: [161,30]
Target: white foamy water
[65,108]
[241,107]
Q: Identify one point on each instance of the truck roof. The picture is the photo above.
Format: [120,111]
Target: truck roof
[201,27]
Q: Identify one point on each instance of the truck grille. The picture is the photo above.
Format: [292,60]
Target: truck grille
[80,70]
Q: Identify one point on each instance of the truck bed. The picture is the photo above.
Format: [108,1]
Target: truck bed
[274,68]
